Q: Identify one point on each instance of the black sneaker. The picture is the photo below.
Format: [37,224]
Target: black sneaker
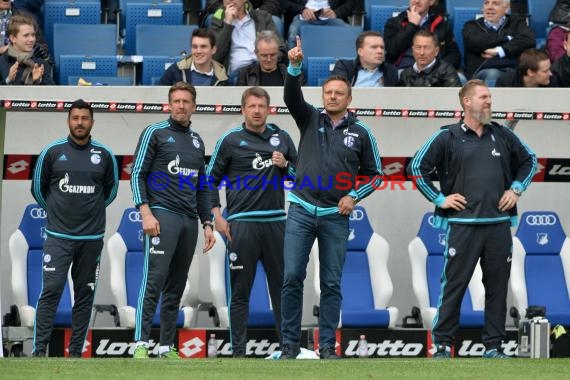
[75,355]
[443,352]
[289,352]
[328,352]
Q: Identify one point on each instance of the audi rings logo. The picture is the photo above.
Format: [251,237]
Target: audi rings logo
[135,217]
[38,213]
[541,220]
[357,215]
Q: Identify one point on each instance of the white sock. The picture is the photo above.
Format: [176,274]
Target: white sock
[163,349]
[141,343]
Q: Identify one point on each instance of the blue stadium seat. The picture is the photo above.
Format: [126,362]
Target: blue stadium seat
[539,12]
[102,65]
[379,14]
[154,67]
[92,40]
[101,80]
[168,40]
[126,257]
[462,15]
[26,253]
[368,4]
[451,5]
[540,273]
[66,12]
[162,13]
[319,69]
[366,284]
[426,256]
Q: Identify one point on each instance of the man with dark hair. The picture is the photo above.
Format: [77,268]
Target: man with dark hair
[533,70]
[399,33]
[561,68]
[255,222]
[428,70]
[74,180]
[369,69]
[334,144]
[483,169]
[198,68]
[494,42]
[167,190]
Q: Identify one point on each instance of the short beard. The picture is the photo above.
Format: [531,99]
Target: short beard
[483,117]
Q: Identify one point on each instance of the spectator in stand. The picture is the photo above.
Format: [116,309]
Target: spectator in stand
[494,42]
[9,9]
[369,68]
[533,70]
[18,66]
[399,33]
[314,12]
[267,71]
[235,26]
[560,13]
[561,68]
[199,68]
[428,70]
[555,41]
[270,6]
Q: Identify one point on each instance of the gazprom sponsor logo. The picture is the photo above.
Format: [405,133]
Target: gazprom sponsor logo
[65,187]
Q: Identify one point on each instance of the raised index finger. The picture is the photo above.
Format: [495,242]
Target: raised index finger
[298,42]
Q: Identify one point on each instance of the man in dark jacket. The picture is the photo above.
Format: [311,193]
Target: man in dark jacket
[399,33]
[428,70]
[198,69]
[494,42]
[267,71]
[235,27]
[369,68]
[270,6]
[561,68]
[533,70]
[302,12]
[483,169]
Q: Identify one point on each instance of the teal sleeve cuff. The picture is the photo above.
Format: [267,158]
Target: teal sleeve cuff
[439,200]
[517,186]
[293,70]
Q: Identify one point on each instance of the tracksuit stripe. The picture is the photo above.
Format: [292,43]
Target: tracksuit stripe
[217,148]
[415,164]
[142,290]
[443,283]
[38,172]
[113,193]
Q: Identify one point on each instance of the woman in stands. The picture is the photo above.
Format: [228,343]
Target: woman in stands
[18,66]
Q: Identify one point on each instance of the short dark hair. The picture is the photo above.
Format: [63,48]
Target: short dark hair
[204,33]
[80,104]
[530,59]
[426,33]
[340,78]
[256,91]
[182,86]
[363,35]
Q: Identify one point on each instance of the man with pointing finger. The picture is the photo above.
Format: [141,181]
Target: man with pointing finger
[483,169]
[333,144]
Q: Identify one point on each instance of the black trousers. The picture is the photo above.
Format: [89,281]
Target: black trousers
[167,261]
[59,254]
[492,243]
[253,241]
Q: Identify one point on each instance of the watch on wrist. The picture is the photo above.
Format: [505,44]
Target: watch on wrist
[355,199]
[517,191]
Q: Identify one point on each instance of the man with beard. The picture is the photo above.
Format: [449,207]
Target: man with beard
[483,169]
[75,179]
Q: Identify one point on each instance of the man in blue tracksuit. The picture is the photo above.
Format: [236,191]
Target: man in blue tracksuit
[253,159]
[168,166]
[338,165]
[483,168]
[75,179]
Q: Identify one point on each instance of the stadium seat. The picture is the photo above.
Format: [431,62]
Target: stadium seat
[69,12]
[319,69]
[366,284]
[368,4]
[260,308]
[26,253]
[154,66]
[126,257]
[540,273]
[100,80]
[461,16]
[83,65]
[169,40]
[539,12]
[427,260]
[379,14]
[343,46]
[84,40]
[154,13]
